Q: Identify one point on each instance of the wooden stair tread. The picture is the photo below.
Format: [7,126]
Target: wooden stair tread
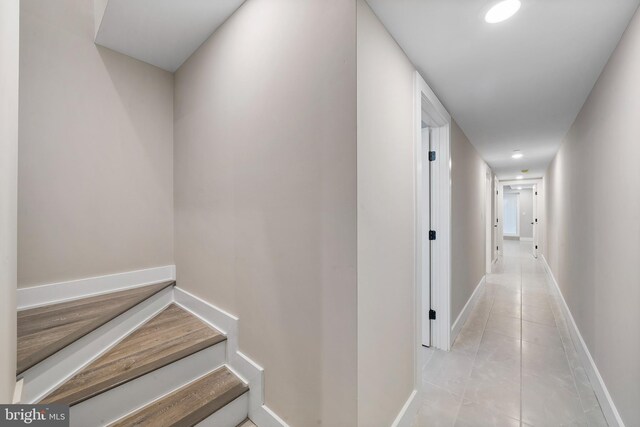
[191,404]
[246,423]
[42,331]
[169,336]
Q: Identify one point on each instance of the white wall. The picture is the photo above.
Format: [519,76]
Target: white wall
[593,234]
[9,62]
[96,151]
[468,245]
[386,223]
[265,184]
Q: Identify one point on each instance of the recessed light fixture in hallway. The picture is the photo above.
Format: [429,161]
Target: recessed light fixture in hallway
[502,11]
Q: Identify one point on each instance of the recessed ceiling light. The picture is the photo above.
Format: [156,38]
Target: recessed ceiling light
[519,177]
[517,155]
[502,11]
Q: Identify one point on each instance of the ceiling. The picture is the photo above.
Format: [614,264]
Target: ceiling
[163,33]
[515,85]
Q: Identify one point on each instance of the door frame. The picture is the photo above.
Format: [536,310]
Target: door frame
[435,277]
[496,241]
[534,220]
[423,217]
[488,219]
[538,213]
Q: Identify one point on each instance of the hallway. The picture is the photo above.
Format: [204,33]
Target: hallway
[513,363]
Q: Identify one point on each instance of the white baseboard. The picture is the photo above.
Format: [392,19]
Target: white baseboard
[409,411]
[526,239]
[466,310]
[36,296]
[245,368]
[17,391]
[602,393]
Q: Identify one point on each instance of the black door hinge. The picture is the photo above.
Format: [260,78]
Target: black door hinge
[432,235]
[536,220]
[432,156]
[432,314]
[536,246]
[536,193]
[497,248]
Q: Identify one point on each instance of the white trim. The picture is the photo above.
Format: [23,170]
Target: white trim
[231,414]
[428,108]
[243,366]
[526,239]
[466,310]
[52,293]
[129,397]
[408,412]
[441,248]
[488,234]
[541,216]
[423,223]
[494,221]
[599,387]
[17,391]
[47,375]
[39,380]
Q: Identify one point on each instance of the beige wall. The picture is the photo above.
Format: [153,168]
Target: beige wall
[593,233]
[468,244]
[95,164]
[9,59]
[386,223]
[265,184]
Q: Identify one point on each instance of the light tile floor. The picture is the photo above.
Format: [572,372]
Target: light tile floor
[513,363]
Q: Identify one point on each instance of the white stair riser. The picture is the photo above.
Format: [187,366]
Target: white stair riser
[47,375]
[120,401]
[230,415]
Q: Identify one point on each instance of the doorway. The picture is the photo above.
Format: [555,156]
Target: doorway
[520,213]
[433,217]
[511,209]
[488,218]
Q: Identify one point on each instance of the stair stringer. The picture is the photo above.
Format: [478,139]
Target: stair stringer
[249,371]
[46,376]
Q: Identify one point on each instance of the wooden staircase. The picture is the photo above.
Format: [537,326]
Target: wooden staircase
[169,371]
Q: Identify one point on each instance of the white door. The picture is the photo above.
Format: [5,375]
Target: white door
[495,218]
[534,221]
[488,223]
[425,255]
[500,220]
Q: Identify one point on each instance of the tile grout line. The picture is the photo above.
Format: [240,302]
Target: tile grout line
[475,355]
